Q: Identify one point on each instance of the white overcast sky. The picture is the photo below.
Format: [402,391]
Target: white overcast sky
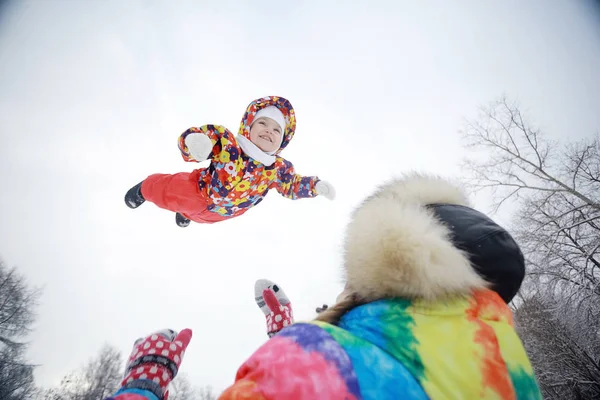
[93,95]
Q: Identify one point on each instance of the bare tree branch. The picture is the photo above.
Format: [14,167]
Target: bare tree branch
[17,301]
[556,193]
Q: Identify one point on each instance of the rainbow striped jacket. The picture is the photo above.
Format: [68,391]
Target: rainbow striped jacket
[395,349]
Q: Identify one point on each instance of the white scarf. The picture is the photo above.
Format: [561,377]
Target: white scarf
[254,152]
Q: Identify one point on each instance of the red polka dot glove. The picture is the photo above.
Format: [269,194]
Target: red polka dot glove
[280,316]
[155,360]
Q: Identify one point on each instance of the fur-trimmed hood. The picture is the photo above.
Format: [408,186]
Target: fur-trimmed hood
[283,105]
[399,244]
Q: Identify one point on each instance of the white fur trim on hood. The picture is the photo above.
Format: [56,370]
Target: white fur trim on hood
[396,247]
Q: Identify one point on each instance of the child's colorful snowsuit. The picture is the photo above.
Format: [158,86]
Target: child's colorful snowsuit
[234,182]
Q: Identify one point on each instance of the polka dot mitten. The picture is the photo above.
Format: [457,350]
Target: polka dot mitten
[155,360]
[274,304]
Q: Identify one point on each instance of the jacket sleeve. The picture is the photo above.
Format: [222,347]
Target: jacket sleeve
[268,374]
[293,186]
[301,362]
[133,394]
[219,136]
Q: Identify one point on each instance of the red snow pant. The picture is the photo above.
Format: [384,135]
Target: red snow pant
[180,193]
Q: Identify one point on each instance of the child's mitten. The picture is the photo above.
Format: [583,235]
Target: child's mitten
[199,146]
[155,360]
[326,189]
[280,316]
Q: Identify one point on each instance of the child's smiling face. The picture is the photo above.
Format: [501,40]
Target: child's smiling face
[266,134]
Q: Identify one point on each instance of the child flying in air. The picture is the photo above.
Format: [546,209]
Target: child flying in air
[243,168]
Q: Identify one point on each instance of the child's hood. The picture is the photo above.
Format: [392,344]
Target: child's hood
[284,106]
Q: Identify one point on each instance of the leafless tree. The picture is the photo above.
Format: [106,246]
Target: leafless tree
[205,393]
[182,389]
[98,379]
[565,361]
[555,188]
[102,375]
[17,302]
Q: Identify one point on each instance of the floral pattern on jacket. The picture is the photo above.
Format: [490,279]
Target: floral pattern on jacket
[234,182]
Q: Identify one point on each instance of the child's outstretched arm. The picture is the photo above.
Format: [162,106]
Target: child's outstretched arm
[294,186]
[198,144]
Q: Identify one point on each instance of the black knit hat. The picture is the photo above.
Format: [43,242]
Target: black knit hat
[491,250]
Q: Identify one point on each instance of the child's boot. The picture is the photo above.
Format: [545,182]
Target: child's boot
[181,220]
[276,306]
[133,197]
